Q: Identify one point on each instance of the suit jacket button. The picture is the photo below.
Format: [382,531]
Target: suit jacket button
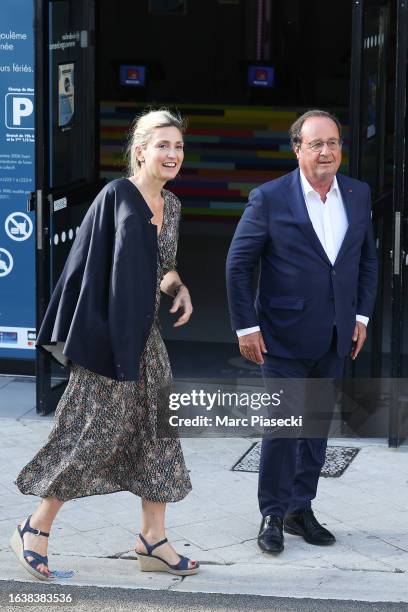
[333,272]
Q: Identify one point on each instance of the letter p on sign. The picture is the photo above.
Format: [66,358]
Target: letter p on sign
[22,107]
[19,112]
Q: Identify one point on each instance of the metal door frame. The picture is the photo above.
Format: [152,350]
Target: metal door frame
[399,191]
[400,213]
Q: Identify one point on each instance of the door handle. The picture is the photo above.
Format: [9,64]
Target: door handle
[397,243]
[40,219]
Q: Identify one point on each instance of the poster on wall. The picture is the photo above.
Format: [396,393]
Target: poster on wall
[66,95]
[17,248]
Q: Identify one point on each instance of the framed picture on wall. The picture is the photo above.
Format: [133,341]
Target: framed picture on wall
[168,7]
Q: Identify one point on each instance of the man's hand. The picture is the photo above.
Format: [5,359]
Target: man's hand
[183,301]
[359,337]
[252,346]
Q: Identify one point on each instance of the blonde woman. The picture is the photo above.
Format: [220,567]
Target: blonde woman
[102,319]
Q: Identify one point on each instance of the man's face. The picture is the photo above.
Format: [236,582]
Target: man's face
[319,162]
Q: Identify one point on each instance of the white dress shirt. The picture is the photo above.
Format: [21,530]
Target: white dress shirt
[330,223]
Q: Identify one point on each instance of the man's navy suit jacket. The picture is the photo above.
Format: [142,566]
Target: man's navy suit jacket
[301,295]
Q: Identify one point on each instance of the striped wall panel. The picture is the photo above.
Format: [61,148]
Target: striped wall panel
[228,151]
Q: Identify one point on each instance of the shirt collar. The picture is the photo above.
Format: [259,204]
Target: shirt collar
[307,188]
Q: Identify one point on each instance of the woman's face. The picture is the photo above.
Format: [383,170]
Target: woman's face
[163,154]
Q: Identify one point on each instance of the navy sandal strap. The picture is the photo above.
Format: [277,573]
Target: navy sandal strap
[182,564]
[37,532]
[34,564]
[37,560]
[158,544]
[150,547]
[27,527]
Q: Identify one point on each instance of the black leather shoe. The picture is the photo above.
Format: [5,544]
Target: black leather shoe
[306,524]
[270,537]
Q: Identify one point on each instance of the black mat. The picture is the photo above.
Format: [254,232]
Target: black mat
[338,458]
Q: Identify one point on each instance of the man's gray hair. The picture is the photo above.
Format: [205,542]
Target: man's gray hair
[295,129]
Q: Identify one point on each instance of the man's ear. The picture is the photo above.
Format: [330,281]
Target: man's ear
[296,149]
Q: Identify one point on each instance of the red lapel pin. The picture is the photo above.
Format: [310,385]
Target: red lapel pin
[350,190]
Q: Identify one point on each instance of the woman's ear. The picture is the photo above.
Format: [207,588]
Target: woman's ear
[139,154]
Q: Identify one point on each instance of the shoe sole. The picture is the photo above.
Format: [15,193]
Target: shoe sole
[308,540]
[272,552]
[17,547]
[153,564]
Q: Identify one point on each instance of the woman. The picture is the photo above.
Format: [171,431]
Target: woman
[102,318]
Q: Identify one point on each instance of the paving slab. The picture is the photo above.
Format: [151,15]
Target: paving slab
[104,572]
[17,398]
[299,582]
[5,380]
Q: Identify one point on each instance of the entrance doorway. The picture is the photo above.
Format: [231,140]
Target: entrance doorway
[377,155]
[230,132]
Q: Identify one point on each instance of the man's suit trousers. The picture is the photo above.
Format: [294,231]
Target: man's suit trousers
[290,467]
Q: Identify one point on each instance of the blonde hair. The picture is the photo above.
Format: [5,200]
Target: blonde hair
[142,129]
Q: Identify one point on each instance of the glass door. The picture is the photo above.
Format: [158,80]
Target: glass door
[66,154]
[371,156]
[377,156]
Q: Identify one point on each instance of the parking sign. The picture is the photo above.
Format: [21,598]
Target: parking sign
[19,111]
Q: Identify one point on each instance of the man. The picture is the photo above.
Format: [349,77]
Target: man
[311,232]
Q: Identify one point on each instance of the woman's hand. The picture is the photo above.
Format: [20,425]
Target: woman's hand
[182,300]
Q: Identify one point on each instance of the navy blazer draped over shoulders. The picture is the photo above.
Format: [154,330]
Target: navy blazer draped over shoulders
[102,308]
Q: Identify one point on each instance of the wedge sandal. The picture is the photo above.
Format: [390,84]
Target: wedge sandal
[17,545]
[154,563]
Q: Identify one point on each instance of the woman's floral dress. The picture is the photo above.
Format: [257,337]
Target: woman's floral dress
[106,435]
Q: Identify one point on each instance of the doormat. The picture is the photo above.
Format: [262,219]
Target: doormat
[338,458]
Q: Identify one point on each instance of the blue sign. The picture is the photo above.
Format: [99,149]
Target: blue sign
[261,76]
[132,76]
[17,245]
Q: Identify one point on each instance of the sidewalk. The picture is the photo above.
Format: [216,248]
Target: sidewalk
[366,508]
